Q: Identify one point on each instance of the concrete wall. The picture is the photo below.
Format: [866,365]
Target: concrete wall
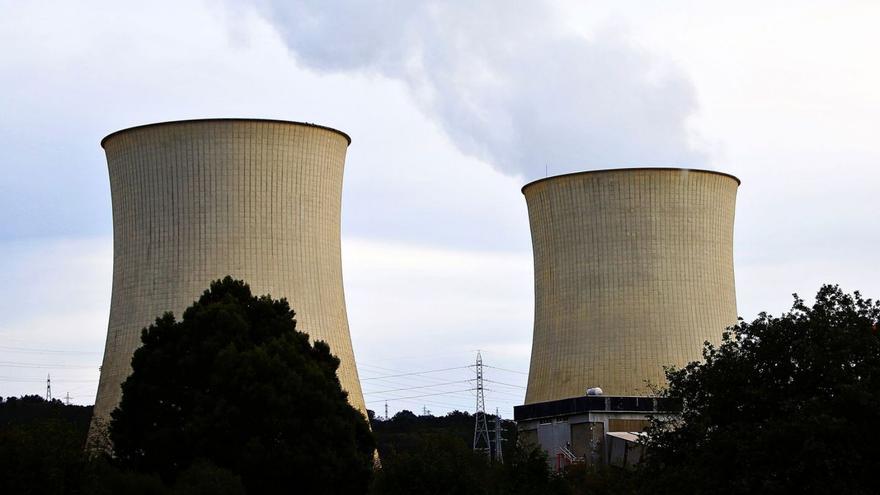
[194,201]
[633,271]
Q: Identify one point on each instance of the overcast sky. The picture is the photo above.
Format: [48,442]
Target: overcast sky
[452,108]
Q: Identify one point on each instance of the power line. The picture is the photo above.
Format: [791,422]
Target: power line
[385,368]
[402,380]
[416,380]
[15,379]
[437,377]
[507,384]
[448,405]
[449,401]
[505,369]
[414,373]
[413,381]
[423,357]
[426,395]
[18,364]
[515,398]
[44,351]
[401,372]
[409,385]
[413,388]
[80,387]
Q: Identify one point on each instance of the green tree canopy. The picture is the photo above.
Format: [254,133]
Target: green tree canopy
[235,384]
[786,404]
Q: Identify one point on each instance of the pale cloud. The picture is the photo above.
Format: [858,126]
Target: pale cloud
[509,85]
[117,67]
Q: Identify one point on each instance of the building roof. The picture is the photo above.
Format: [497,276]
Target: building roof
[589,403]
[231,119]
[629,169]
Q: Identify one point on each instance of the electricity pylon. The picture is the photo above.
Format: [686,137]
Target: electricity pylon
[481,428]
[499,457]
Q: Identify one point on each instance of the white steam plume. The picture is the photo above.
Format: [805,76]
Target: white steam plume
[504,81]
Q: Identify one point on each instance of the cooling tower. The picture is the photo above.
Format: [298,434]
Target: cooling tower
[633,271]
[194,201]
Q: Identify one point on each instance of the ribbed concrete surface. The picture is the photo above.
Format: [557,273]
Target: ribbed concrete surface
[633,271]
[194,201]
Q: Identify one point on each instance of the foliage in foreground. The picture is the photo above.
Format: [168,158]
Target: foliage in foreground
[784,404]
[432,455]
[41,452]
[41,445]
[233,384]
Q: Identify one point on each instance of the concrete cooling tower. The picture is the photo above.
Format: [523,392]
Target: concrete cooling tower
[633,271]
[194,201]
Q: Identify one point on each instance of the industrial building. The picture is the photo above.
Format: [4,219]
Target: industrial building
[194,201]
[633,272]
[591,429]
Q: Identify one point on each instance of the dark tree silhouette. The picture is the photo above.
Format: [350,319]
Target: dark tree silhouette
[434,455]
[41,445]
[784,404]
[235,384]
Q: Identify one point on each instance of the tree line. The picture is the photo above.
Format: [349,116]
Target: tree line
[231,398]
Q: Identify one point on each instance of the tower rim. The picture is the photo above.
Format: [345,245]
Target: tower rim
[222,119]
[630,169]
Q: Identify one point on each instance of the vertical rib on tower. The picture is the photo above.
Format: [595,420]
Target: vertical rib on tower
[194,201]
[633,271]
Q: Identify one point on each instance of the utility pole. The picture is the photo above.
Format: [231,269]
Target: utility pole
[67,399]
[499,456]
[48,388]
[386,410]
[481,428]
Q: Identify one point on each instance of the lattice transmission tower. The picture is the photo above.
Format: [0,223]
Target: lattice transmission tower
[481,428]
[499,455]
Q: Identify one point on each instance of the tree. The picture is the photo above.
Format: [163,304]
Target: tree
[526,472]
[41,445]
[434,463]
[235,384]
[43,456]
[429,454]
[784,404]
